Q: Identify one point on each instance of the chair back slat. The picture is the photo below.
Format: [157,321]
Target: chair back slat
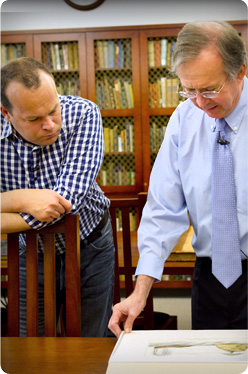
[117,294]
[13,284]
[146,319]
[49,285]
[32,283]
[70,226]
[127,254]
[72,275]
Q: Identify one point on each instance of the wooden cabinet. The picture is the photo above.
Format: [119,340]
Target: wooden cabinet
[112,66]
[65,55]
[14,46]
[114,84]
[159,89]
[156,48]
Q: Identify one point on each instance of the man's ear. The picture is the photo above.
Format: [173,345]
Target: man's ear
[242,72]
[5,113]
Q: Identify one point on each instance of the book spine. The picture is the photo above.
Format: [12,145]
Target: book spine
[151,59]
[157,53]
[163,52]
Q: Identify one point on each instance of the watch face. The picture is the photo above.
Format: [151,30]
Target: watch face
[84,4]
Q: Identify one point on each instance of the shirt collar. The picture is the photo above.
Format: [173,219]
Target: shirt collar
[234,118]
[7,129]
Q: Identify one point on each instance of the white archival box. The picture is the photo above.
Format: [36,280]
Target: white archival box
[180,352]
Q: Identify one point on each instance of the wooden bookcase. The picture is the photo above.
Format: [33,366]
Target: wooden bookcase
[13,46]
[126,168]
[155,117]
[70,79]
[114,84]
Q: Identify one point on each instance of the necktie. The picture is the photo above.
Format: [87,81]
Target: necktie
[226,256]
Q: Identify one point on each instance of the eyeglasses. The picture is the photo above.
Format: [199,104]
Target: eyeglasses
[207,94]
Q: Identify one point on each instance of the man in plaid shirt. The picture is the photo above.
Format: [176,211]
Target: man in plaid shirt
[51,152]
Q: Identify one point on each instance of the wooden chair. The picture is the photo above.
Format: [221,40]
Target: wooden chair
[124,267]
[70,227]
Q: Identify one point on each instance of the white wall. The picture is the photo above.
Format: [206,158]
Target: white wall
[56,14]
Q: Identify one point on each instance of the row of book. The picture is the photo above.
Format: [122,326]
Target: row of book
[68,87]
[165,277]
[119,140]
[180,277]
[156,136]
[163,93]
[116,176]
[61,56]
[160,52]
[12,51]
[112,54]
[114,93]
[132,219]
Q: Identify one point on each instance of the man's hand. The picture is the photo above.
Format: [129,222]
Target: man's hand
[45,205]
[129,309]
[125,312]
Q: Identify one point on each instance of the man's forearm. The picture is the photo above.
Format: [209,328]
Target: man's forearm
[143,286]
[43,204]
[12,222]
[13,201]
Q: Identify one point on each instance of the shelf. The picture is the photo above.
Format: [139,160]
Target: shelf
[135,70]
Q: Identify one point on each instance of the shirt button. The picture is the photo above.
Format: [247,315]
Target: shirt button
[235,128]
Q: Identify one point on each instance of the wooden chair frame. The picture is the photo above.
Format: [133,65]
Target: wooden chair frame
[70,227]
[147,319]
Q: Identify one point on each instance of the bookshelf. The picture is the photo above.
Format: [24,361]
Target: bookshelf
[125,71]
[114,84]
[159,90]
[65,55]
[159,87]
[14,47]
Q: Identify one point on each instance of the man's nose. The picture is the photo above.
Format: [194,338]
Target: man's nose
[200,100]
[48,124]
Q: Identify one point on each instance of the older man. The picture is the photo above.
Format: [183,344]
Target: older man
[201,171]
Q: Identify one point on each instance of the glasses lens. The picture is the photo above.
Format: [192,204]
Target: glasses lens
[210,94]
[186,94]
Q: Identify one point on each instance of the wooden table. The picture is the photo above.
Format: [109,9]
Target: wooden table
[56,355]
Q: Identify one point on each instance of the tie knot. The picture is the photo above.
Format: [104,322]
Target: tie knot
[220,124]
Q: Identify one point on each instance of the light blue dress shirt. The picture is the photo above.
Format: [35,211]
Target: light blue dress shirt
[180,184]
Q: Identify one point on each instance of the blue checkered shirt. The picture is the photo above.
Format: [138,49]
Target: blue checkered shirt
[69,166]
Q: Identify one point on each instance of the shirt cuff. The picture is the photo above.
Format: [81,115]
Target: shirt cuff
[150,265]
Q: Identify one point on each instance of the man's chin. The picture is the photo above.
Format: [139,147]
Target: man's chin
[47,141]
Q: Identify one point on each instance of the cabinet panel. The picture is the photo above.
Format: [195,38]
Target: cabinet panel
[114,84]
[159,90]
[159,86]
[65,55]
[16,46]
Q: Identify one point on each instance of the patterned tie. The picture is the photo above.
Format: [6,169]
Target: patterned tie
[226,255]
